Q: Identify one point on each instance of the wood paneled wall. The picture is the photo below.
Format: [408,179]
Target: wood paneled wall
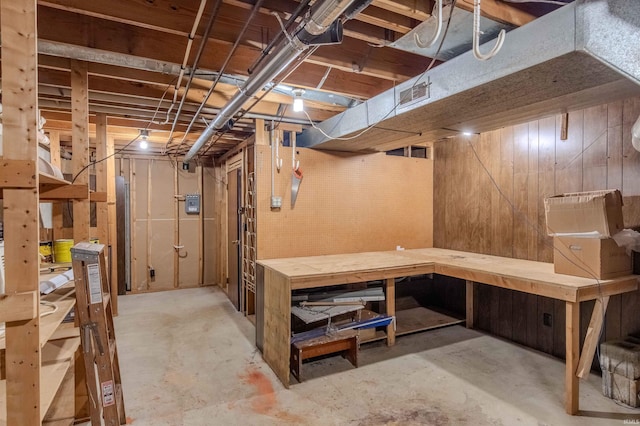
[498,208]
[347,203]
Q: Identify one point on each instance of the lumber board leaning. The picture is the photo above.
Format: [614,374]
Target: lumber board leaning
[592,336]
[20,118]
[277,323]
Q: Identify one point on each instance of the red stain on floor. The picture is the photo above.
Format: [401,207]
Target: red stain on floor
[265,401]
[129,421]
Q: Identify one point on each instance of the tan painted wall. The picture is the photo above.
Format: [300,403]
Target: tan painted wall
[346,203]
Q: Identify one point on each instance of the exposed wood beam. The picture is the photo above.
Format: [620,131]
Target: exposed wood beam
[124,39]
[499,11]
[416,9]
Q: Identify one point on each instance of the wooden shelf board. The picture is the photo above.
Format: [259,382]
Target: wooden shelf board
[59,350]
[64,297]
[50,323]
[421,319]
[47,179]
[65,330]
[51,378]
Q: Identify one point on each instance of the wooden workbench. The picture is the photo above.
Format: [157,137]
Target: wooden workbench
[278,277]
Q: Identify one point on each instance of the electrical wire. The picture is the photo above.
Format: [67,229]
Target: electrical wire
[53,306]
[155,113]
[417,79]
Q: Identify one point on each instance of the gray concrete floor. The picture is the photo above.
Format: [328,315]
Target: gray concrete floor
[188,358]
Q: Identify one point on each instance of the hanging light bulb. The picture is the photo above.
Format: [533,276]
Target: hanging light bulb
[144,136]
[298,102]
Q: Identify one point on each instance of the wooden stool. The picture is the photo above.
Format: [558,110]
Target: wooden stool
[345,342]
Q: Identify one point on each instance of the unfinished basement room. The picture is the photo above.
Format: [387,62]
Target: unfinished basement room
[320,212]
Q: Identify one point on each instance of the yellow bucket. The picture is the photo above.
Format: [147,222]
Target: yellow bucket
[94,241]
[46,251]
[62,251]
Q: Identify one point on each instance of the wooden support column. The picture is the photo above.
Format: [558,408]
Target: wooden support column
[572,384]
[469,298]
[390,287]
[149,228]
[176,229]
[199,171]
[592,337]
[18,26]
[57,213]
[101,179]
[135,285]
[80,146]
[261,135]
[111,219]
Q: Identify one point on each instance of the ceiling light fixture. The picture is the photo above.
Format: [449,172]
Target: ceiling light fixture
[298,102]
[467,133]
[144,136]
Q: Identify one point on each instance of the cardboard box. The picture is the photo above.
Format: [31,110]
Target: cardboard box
[590,258]
[621,389]
[596,213]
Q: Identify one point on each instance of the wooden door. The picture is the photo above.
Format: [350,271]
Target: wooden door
[233,227]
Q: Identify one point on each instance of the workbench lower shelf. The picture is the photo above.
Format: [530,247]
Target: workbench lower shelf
[421,319]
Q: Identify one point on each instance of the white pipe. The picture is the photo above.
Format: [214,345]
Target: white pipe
[432,40]
[278,159]
[294,163]
[476,36]
[273,166]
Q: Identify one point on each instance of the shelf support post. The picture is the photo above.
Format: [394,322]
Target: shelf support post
[18,26]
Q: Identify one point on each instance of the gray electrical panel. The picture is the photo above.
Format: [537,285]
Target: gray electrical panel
[192,204]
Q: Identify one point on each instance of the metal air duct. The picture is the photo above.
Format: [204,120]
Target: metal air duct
[321,20]
[583,54]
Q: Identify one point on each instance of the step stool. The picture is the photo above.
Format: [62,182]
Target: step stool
[345,343]
[620,361]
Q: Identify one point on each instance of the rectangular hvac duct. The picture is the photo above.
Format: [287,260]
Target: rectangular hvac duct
[583,54]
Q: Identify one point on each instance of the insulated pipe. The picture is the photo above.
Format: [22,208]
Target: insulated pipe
[319,22]
[279,36]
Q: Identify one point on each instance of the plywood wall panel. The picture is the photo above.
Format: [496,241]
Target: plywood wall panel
[346,203]
[161,254]
[529,162]
[189,254]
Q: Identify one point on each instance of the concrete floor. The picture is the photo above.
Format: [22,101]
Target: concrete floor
[188,358]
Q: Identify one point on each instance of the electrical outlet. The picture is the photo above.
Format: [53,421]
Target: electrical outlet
[547,319]
[152,273]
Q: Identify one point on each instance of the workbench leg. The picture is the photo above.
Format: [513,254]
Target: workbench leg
[390,286]
[593,335]
[470,288]
[572,384]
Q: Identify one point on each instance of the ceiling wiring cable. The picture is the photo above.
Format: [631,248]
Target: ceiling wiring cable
[266,92]
[118,151]
[194,67]
[254,11]
[397,104]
